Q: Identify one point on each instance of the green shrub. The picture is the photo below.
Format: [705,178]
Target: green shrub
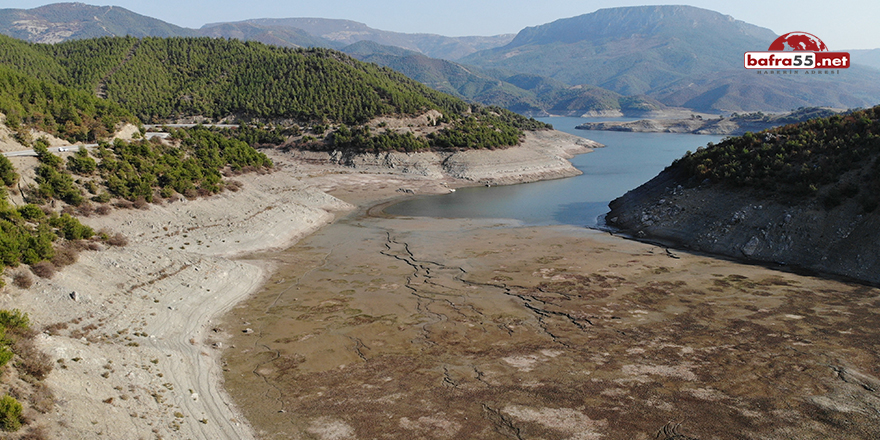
[5,356]
[10,413]
[81,163]
[14,319]
[31,212]
[70,228]
[7,172]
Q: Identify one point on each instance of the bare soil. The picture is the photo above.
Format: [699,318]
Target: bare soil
[131,331]
[427,328]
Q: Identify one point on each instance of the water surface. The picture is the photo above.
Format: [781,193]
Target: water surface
[627,161]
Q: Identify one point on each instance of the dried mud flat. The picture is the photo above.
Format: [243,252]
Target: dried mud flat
[425,328]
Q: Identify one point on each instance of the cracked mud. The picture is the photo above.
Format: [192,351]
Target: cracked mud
[425,328]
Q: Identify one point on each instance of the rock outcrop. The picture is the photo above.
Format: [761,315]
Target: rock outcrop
[748,224]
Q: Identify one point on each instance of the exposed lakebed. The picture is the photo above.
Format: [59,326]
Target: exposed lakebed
[419,327]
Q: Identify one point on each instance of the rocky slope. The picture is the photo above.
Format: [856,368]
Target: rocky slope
[803,194]
[747,224]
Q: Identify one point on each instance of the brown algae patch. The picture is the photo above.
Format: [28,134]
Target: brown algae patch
[426,328]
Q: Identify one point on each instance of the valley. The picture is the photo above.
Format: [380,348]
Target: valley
[292,258]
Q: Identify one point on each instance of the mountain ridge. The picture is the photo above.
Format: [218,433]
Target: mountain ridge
[680,55]
[37,25]
[347,32]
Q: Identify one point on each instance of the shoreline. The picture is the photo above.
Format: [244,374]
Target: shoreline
[136,342]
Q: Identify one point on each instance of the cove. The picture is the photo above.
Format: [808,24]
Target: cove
[627,161]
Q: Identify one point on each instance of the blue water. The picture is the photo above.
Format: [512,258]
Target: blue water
[627,161]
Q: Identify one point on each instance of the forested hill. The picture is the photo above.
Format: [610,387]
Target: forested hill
[805,194]
[159,79]
[71,114]
[832,159]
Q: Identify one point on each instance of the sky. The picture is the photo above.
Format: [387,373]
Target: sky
[842,25]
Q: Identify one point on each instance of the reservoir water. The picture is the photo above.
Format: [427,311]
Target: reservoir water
[627,161]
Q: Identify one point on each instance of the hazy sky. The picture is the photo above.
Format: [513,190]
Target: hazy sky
[840,24]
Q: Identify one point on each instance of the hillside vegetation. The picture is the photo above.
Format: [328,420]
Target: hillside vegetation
[803,195]
[52,88]
[163,78]
[833,158]
[160,79]
[71,114]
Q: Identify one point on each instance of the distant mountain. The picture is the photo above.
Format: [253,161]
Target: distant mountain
[70,21]
[867,57]
[629,50]
[468,83]
[633,60]
[274,35]
[523,93]
[736,90]
[347,32]
[680,55]
[73,21]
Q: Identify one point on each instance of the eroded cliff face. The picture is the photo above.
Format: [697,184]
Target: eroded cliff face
[743,223]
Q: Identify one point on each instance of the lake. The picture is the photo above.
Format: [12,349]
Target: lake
[627,161]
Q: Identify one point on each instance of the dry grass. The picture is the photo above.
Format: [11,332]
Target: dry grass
[141,203]
[234,185]
[44,269]
[22,279]
[31,360]
[103,209]
[118,240]
[124,204]
[66,255]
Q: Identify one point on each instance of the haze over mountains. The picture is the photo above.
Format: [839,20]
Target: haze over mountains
[632,60]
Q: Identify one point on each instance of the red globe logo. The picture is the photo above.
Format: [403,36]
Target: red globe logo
[800,41]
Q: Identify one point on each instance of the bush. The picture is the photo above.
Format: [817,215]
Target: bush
[102,198]
[117,240]
[43,269]
[70,228]
[5,356]
[22,280]
[32,361]
[10,413]
[31,212]
[103,209]
[7,172]
[141,203]
[65,256]
[15,320]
